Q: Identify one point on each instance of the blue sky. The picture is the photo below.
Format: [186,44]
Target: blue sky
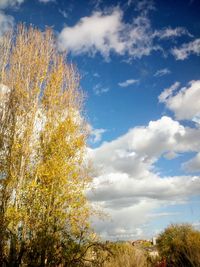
[140,68]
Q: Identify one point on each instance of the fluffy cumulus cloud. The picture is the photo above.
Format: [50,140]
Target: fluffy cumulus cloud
[126,221]
[107,32]
[193,165]
[185,103]
[98,32]
[6,23]
[127,184]
[187,49]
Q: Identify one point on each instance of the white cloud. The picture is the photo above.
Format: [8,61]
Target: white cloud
[142,146]
[128,82]
[193,165]
[140,40]
[64,13]
[197,120]
[96,134]
[119,191]
[46,1]
[96,3]
[91,34]
[125,222]
[144,6]
[6,23]
[14,3]
[168,92]
[10,3]
[185,103]
[170,155]
[169,33]
[96,74]
[187,49]
[164,214]
[98,89]
[127,184]
[162,72]
[106,33]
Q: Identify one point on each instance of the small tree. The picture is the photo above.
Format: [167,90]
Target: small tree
[180,245]
[43,176]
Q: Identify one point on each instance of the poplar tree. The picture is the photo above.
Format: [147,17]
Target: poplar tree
[44,212]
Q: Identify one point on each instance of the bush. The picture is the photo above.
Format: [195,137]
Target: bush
[180,245]
[117,255]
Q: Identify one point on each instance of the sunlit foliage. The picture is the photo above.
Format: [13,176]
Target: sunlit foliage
[43,175]
[180,245]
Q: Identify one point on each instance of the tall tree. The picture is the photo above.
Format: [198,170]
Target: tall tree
[43,176]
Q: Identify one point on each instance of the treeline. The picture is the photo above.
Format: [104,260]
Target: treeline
[178,246]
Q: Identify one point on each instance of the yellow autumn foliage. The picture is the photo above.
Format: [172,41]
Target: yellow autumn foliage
[44,214]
